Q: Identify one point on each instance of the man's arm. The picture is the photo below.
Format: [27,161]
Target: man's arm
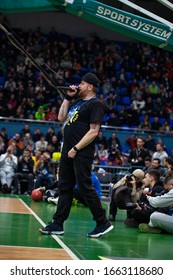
[161,201]
[63,111]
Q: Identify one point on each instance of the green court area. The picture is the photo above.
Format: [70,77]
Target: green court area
[21,229]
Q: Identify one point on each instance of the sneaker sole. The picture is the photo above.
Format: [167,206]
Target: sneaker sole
[51,232]
[101,233]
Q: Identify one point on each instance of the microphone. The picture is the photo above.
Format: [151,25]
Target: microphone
[67,88]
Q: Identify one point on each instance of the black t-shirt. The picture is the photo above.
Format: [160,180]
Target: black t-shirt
[81,114]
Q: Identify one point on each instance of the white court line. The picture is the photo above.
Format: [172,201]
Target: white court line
[69,252]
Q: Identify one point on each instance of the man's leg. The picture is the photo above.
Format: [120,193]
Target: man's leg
[17,177]
[4,186]
[30,178]
[66,186]
[10,177]
[112,207]
[82,167]
[162,221]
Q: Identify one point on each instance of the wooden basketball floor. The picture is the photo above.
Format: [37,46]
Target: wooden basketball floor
[20,219]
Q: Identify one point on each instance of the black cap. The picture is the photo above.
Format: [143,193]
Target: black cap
[91,79]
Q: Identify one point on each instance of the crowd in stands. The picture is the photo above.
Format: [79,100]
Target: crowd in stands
[136,78]
[40,150]
[109,152]
[28,158]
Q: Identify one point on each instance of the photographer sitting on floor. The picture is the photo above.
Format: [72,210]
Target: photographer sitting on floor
[126,193]
[153,187]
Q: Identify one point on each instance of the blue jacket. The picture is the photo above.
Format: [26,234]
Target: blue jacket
[96,184]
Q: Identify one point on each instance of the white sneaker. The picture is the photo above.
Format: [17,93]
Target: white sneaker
[53,200]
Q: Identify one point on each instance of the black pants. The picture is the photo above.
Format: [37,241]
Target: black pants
[72,171]
[28,176]
[141,216]
[113,207]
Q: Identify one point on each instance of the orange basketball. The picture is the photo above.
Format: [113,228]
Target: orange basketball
[36,195]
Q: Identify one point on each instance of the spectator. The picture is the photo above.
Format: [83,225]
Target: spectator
[28,141]
[41,142]
[156,125]
[50,132]
[113,150]
[101,139]
[10,83]
[168,164]
[158,106]
[44,172]
[4,135]
[25,171]
[95,184]
[131,141]
[56,143]
[138,154]
[148,109]
[40,114]
[119,158]
[147,162]
[161,222]
[122,116]
[145,124]
[24,130]
[37,135]
[19,142]
[138,104]
[36,158]
[2,145]
[111,102]
[132,115]
[112,138]
[12,104]
[160,153]
[155,164]
[112,120]
[103,155]
[153,88]
[17,151]
[52,115]
[8,163]
[50,149]
[166,128]
[150,143]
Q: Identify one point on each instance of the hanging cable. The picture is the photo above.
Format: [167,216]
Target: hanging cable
[43,72]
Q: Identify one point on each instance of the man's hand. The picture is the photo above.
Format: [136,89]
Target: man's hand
[72,153]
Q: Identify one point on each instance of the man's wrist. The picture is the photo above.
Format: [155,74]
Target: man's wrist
[76,149]
[68,97]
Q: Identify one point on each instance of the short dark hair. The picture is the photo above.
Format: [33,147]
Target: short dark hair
[158,159]
[155,174]
[167,179]
[169,160]
[141,138]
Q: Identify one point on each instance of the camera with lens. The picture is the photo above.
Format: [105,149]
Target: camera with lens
[129,177]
